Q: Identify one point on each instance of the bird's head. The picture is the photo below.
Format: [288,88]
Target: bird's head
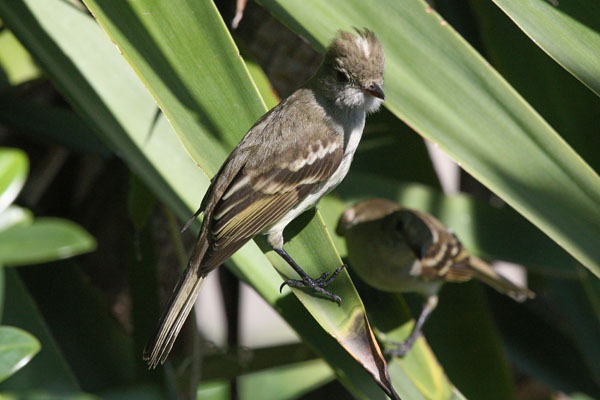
[352,71]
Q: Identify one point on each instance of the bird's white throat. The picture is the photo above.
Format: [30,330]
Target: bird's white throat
[354,98]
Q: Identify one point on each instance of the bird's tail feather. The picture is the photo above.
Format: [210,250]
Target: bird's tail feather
[179,306]
[485,273]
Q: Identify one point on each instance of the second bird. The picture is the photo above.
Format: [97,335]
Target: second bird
[396,249]
[291,157]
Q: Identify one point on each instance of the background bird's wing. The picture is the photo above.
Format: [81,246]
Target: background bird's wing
[441,253]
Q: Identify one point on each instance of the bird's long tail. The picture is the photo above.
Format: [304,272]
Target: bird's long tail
[485,273]
[179,306]
[177,309]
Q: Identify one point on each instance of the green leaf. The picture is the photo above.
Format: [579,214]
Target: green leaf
[564,102]
[13,172]
[235,362]
[215,390]
[579,302]
[262,83]
[444,90]
[287,382]
[17,347]
[47,239]
[15,62]
[153,34]
[474,340]
[13,216]
[568,31]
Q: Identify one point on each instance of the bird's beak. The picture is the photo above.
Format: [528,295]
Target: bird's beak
[375,90]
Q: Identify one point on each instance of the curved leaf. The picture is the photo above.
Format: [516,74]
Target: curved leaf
[449,94]
[568,30]
[47,239]
[17,347]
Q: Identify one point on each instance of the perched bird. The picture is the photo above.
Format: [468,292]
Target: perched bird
[396,249]
[292,156]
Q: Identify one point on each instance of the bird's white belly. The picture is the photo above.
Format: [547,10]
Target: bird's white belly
[313,197]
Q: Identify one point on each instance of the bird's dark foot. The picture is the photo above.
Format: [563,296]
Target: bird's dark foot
[400,349]
[318,285]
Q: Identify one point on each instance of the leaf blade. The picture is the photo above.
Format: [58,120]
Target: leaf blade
[17,348]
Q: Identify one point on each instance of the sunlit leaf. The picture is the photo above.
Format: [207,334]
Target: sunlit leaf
[17,347]
[47,239]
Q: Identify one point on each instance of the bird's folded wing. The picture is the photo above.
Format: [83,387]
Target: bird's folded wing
[259,196]
[441,253]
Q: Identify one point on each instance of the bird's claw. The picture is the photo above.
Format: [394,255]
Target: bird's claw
[317,284]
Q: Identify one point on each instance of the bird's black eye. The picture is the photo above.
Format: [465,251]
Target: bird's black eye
[341,76]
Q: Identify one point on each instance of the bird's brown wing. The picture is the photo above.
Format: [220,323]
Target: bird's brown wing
[442,255]
[257,198]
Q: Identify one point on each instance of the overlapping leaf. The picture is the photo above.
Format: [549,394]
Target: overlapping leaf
[569,31]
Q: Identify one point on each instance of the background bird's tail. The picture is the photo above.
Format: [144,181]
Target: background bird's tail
[485,273]
[177,309]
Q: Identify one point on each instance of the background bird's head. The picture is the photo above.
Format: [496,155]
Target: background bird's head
[352,70]
[365,211]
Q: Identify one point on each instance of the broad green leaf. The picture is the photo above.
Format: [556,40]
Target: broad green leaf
[47,239]
[17,347]
[13,172]
[161,40]
[444,90]
[569,31]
